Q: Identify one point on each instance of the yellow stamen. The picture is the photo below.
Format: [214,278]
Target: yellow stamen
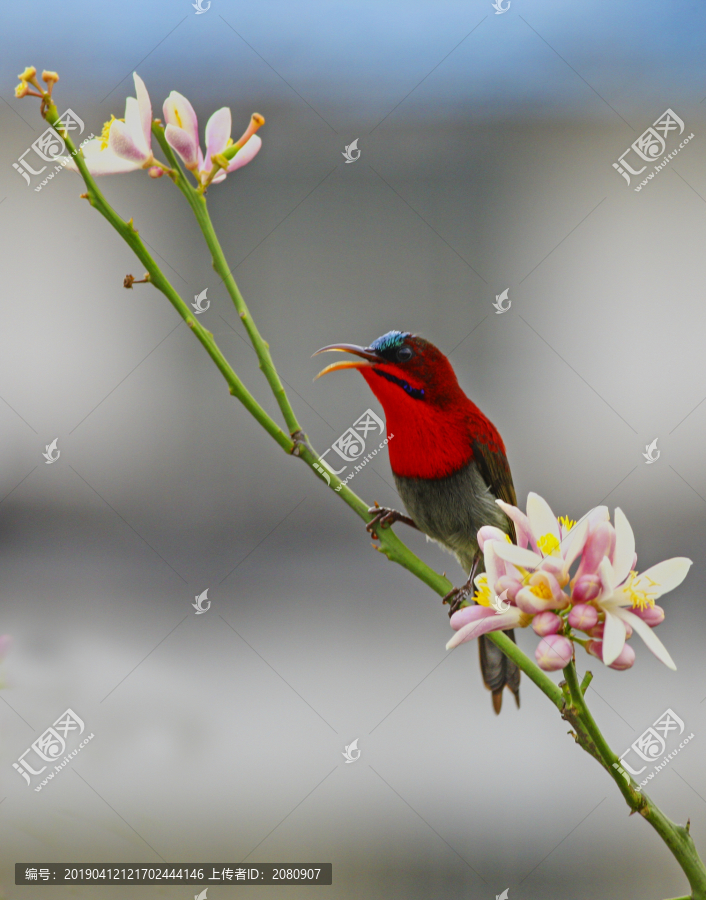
[22,89]
[640,599]
[482,594]
[541,590]
[566,522]
[105,133]
[548,543]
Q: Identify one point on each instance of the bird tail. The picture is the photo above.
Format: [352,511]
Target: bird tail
[498,670]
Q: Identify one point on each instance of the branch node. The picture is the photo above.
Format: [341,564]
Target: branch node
[300,442]
[129,280]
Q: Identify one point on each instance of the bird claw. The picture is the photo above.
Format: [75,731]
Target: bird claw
[382,516]
[457,595]
[455,598]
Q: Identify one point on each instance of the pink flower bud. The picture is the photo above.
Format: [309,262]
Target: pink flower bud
[546,623]
[155,172]
[652,615]
[625,659]
[628,630]
[554,652]
[595,648]
[587,588]
[596,632]
[583,616]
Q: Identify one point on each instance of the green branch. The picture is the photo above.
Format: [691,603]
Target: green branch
[676,837]
[197,202]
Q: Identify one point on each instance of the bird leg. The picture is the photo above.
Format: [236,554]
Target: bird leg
[385,517]
[456,596]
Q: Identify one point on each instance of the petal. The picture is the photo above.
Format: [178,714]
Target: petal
[541,518]
[133,126]
[574,542]
[651,640]
[667,575]
[102,162]
[181,141]
[469,614]
[178,111]
[518,556]
[624,547]
[121,143]
[494,566]
[605,572]
[145,108]
[521,523]
[597,515]
[492,622]
[217,132]
[597,546]
[246,153]
[613,637]
[489,533]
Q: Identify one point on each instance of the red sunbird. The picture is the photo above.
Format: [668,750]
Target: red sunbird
[448,461]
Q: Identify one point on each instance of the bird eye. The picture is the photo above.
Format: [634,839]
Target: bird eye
[404,353]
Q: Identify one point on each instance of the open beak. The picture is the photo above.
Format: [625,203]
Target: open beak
[368,358]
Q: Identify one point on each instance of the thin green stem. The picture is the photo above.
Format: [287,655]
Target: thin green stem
[130,235]
[197,202]
[675,836]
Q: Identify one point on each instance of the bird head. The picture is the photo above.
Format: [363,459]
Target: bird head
[403,370]
[430,418]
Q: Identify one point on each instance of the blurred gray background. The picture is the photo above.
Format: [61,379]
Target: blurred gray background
[487,144]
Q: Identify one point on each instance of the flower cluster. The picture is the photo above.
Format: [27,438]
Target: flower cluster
[564,577]
[126,144]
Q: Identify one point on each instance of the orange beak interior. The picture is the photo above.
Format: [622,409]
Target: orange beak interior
[368,358]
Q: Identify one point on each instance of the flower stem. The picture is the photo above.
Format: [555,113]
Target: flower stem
[130,235]
[197,202]
[676,837]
